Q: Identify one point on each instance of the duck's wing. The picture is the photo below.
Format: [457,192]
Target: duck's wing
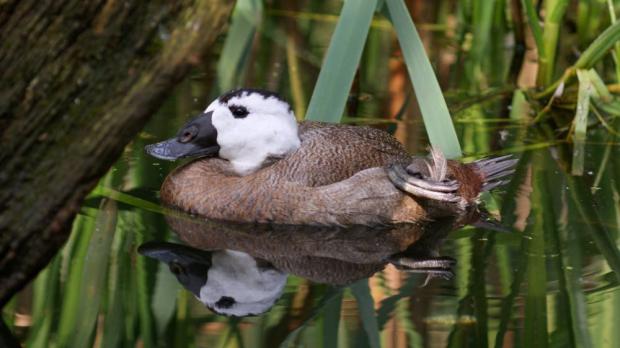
[330,153]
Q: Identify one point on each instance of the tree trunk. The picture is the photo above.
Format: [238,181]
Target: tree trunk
[79,80]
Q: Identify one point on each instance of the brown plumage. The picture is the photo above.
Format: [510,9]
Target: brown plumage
[339,176]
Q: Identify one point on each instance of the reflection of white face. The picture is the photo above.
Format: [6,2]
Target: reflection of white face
[252,127]
[237,286]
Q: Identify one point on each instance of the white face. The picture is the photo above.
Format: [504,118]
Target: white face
[237,286]
[252,127]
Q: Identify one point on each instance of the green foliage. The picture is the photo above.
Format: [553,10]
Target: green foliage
[245,20]
[332,88]
[341,60]
[366,308]
[586,90]
[435,112]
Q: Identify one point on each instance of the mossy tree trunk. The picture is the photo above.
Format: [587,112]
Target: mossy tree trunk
[79,80]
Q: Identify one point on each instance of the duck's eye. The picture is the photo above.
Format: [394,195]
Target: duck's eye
[225,302]
[176,269]
[238,111]
[188,134]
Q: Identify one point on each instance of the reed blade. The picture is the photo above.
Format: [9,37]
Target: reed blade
[343,55]
[437,120]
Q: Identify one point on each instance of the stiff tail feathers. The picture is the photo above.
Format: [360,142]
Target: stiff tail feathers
[496,170]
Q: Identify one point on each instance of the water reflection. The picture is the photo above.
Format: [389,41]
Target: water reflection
[226,281]
[241,269]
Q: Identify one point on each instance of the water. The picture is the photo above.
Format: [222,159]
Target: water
[551,281]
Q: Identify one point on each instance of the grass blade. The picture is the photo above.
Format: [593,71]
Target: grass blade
[554,10]
[45,303]
[434,109]
[163,306]
[332,294]
[83,228]
[343,55]
[599,47]
[534,22]
[404,316]
[581,121]
[331,323]
[535,320]
[616,51]
[592,55]
[603,238]
[117,312]
[295,80]
[94,276]
[245,19]
[366,308]
[572,271]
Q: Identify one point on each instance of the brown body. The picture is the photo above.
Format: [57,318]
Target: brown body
[337,177]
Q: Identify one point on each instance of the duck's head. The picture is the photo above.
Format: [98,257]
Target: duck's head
[226,281]
[245,126]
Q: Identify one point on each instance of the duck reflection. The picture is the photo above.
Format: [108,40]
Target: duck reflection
[226,281]
[241,269]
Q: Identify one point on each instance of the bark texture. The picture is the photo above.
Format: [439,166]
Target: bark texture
[79,80]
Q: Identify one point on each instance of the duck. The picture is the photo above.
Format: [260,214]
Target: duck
[253,162]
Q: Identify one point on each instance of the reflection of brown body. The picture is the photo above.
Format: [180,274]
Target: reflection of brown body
[331,255]
[339,176]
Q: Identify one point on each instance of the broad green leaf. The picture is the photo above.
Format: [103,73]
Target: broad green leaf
[430,98]
[164,296]
[71,297]
[366,308]
[94,277]
[331,322]
[343,55]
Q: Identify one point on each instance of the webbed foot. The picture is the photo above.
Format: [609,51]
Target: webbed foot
[417,182]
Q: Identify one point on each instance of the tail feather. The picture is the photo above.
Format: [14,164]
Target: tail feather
[494,169]
[488,186]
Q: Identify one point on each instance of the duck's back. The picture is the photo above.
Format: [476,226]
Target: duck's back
[331,153]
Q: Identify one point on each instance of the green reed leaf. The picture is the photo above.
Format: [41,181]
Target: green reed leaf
[581,121]
[434,109]
[366,308]
[343,56]
[71,290]
[599,47]
[245,20]
[332,294]
[534,23]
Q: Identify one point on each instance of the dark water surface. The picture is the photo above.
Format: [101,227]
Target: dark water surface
[552,280]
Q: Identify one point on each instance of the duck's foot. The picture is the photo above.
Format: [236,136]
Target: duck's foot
[433,267]
[418,182]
